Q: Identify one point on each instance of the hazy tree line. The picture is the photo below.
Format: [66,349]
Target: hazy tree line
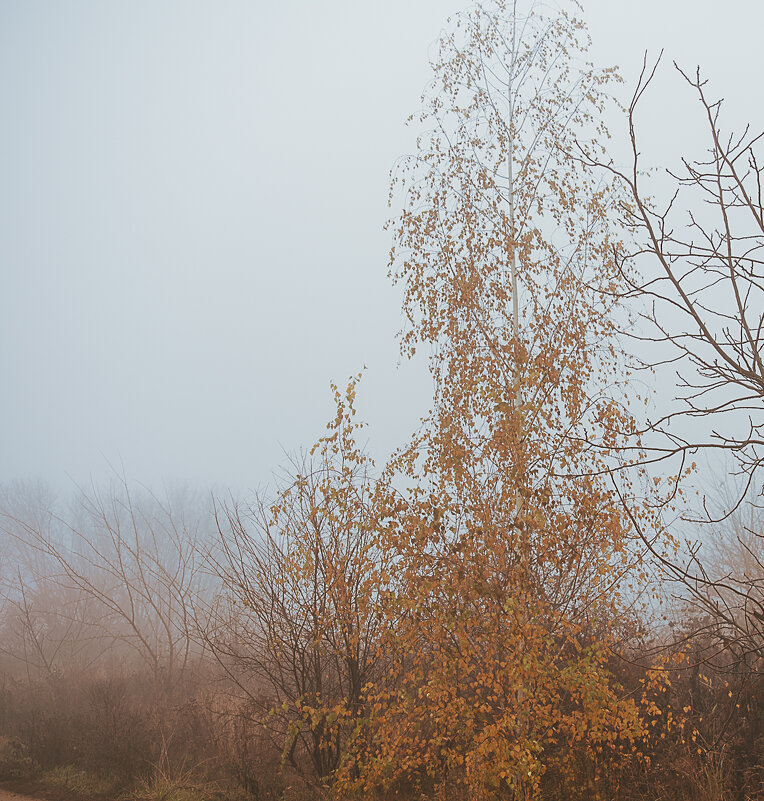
[526,600]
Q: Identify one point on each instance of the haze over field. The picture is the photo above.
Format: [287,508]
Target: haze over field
[191,212]
[537,573]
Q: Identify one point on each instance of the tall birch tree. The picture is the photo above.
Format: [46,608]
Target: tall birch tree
[510,545]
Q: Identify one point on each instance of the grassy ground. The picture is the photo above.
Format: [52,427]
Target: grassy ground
[19,774]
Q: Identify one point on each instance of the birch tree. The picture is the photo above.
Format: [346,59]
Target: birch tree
[511,551]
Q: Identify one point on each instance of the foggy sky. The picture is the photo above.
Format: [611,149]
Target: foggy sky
[192,198]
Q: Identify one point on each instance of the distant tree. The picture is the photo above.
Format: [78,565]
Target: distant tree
[721,591]
[131,564]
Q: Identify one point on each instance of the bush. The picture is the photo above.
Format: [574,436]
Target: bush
[81,782]
[15,762]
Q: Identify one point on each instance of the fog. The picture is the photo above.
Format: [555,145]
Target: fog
[193,263]
[192,201]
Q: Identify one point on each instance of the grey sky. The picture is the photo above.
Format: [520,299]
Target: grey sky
[191,206]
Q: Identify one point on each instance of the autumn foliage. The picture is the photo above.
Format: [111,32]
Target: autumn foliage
[308,571]
[510,545]
[471,620]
